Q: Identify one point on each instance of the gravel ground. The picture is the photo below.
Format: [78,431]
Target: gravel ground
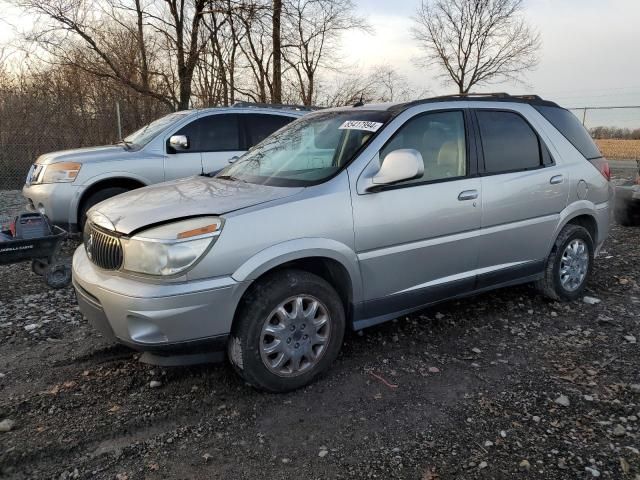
[503,385]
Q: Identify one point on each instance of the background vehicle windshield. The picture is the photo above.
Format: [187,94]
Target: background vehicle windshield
[308,151]
[141,137]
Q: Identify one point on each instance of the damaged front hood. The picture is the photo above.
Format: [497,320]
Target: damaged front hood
[187,197]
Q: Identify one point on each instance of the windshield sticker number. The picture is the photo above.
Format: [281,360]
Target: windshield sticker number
[360,125]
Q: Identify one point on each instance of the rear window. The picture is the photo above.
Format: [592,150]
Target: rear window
[569,126]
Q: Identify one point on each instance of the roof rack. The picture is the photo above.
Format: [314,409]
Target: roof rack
[304,108]
[488,97]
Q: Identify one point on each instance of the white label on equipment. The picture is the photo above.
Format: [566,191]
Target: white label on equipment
[360,125]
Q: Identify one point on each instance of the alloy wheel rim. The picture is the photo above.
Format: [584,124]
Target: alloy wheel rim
[295,336]
[574,265]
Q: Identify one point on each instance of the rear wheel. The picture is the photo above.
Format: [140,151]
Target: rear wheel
[96,198]
[569,264]
[289,330]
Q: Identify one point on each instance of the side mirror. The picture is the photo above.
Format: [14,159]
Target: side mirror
[397,166]
[233,159]
[179,142]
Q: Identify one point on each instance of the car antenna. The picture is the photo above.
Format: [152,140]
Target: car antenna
[360,102]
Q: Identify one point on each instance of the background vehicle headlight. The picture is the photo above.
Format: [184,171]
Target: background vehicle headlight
[62,172]
[172,248]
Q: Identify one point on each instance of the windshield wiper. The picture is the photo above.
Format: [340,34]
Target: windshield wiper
[126,143]
[231,177]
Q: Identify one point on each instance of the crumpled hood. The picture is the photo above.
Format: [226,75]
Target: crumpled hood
[184,198]
[84,155]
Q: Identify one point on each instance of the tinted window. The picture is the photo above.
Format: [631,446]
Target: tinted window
[440,139]
[213,133]
[569,126]
[508,142]
[260,127]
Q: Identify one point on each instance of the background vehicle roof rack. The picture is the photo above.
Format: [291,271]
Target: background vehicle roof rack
[305,108]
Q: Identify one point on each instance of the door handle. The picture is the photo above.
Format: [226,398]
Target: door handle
[468,195]
[556,179]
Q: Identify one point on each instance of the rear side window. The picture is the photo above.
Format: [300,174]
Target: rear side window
[213,133]
[569,126]
[260,126]
[508,142]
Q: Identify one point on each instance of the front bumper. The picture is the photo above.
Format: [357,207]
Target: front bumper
[59,201]
[155,317]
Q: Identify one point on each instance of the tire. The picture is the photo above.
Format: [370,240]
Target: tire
[625,217]
[96,198]
[551,285]
[257,317]
[39,266]
[58,276]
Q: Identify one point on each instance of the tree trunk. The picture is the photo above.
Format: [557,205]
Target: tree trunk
[277,53]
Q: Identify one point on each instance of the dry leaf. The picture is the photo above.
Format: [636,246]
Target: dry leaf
[430,474]
[624,465]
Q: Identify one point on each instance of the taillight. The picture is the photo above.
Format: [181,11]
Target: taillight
[603,167]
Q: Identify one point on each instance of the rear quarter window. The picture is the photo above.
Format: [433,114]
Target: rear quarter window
[570,127]
[508,142]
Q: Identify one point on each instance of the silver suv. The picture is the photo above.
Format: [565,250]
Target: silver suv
[344,219]
[64,185]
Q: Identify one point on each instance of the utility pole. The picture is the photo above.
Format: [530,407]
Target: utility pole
[119,121]
[277,52]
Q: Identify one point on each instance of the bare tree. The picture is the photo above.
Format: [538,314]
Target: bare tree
[380,83]
[313,28]
[112,39]
[476,42]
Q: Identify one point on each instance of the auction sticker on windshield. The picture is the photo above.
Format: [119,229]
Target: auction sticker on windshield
[360,125]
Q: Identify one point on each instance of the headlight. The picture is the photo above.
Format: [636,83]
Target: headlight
[63,172]
[172,248]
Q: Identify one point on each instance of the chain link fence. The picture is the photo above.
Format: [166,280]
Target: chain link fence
[24,138]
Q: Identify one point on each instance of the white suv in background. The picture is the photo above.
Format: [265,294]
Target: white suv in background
[64,185]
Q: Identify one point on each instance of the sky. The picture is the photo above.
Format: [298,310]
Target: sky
[590,53]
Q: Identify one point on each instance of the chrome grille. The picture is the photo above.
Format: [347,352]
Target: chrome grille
[102,248]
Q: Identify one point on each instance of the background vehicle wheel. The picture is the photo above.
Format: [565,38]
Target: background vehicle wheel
[96,198]
[58,276]
[289,329]
[569,264]
[625,217]
[39,266]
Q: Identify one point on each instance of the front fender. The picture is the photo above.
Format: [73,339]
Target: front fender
[297,249]
[113,175]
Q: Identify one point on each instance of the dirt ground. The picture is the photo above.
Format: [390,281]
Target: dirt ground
[503,385]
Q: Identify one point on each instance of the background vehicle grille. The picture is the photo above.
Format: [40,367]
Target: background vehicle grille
[102,249]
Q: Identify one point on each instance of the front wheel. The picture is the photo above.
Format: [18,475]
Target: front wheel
[569,264]
[289,329]
[96,198]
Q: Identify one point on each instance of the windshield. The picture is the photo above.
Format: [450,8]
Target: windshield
[309,150]
[141,137]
